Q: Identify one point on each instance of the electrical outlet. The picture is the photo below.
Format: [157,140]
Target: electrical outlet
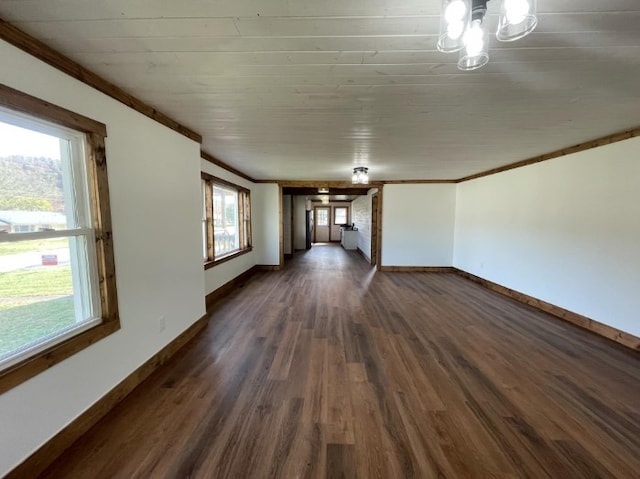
[162,323]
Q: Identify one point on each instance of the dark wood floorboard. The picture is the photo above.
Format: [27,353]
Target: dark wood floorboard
[329,369]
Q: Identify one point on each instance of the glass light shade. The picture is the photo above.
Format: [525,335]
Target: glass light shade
[360,175]
[475,53]
[453,19]
[517,19]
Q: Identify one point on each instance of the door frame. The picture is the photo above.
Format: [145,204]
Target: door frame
[315,222]
[329,184]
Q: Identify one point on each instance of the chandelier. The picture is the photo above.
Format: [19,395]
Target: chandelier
[463,29]
[360,175]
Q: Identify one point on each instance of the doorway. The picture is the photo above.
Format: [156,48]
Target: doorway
[322,226]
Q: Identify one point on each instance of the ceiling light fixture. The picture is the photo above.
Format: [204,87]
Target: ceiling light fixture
[323,191]
[360,175]
[463,28]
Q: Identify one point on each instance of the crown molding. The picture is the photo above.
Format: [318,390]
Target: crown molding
[418,182]
[212,159]
[41,51]
[587,145]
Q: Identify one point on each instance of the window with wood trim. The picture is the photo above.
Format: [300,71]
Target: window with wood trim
[340,215]
[57,274]
[226,220]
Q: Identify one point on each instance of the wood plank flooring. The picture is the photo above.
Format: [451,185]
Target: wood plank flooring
[330,369]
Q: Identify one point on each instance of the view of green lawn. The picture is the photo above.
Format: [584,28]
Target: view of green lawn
[34,245]
[33,304]
[23,325]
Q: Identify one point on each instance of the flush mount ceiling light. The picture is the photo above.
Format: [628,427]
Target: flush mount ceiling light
[463,28]
[323,191]
[360,175]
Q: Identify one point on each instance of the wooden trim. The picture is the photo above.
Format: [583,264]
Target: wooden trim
[293,229]
[605,140]
[48,358]
[97,181]
[228,257]
[210,181]
[101,209]
[239,281]
[374,259]
[208,198]
[220,181]
[609,332]
[33,106]
[266,182]
[418,182]
[379,230]
[321,184]
[212,159]
[268,267]
[418,269]
[333,213]
[281,225]
[43,52]
[35,464]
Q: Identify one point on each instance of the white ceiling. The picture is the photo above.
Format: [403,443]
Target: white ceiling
[306,89]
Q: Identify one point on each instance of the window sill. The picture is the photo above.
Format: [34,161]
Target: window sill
[227,257]
[44,360]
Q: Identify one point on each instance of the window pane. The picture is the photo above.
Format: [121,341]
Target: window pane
[36,293]
[225,220]
[48,284]
[323,216]
[34,168]
[340,216]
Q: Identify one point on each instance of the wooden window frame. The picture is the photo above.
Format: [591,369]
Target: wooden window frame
[95,134]
[334,215]
[243,220]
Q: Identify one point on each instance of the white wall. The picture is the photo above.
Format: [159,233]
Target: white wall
[361,217]
[566,231]
[265,212]
[418,224]
[155,203]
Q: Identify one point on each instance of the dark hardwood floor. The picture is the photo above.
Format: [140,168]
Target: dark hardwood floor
[329,369]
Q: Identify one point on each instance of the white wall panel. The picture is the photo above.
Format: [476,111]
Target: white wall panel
[566,231]
[418,224]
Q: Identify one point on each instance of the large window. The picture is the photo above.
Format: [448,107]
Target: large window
[226,220]
[340,215]
[57,280]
